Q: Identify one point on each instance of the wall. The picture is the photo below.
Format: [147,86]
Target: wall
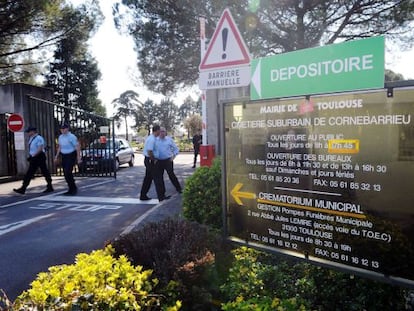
[14,99]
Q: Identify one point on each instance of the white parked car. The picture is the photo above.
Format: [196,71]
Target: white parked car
[103,157]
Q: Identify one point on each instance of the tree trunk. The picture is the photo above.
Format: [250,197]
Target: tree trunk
[126,128]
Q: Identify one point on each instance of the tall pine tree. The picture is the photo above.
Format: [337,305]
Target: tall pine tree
[74,72]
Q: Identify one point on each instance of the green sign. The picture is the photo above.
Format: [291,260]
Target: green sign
[353,65]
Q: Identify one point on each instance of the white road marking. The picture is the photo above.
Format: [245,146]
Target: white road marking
[99,200]
[19,224]
[138,220]
[80,207]
[52,194]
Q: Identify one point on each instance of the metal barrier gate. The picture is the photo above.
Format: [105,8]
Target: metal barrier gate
[7,143]
[95,134]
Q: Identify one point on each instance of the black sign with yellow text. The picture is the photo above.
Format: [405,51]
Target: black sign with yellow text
[328,178]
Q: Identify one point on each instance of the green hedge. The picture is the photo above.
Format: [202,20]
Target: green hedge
[202,196]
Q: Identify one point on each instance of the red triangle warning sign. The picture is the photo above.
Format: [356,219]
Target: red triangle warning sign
[226,47]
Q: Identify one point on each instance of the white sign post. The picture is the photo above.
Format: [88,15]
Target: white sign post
[203,92]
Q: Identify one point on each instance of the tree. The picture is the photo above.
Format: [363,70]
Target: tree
[29,30]
[74,72]
[146,116]
[167,114]
[392,76]
[167,37]
[74,80]
[127,104]
[189,107]
[193,124]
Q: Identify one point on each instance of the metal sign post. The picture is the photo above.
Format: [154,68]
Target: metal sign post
[203,92]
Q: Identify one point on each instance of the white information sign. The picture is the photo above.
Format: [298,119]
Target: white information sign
[224,78]
[19,140]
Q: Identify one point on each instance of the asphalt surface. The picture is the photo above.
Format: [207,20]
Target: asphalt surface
[39,230]
[125,186]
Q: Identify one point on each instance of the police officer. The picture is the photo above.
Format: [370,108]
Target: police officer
[69,148]
[37,159]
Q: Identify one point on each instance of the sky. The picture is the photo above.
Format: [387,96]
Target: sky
[400,62]
[116,58]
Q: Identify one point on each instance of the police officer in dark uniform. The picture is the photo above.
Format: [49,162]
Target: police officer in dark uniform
[37,159]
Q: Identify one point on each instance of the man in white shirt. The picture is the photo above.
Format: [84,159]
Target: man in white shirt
[149,162]
[167,150]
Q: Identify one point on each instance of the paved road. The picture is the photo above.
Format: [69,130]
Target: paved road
[38,231]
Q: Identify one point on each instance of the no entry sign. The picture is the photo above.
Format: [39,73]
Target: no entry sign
[15,123]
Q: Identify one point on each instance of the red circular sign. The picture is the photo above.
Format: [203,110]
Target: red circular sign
[15,123]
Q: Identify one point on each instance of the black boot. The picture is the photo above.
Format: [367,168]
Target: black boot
[20,190]
[49,189]
[71,191]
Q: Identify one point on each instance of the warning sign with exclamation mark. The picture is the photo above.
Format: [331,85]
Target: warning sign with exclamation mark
[227,47]
[224,33]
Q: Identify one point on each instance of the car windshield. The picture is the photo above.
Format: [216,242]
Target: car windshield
[98,145]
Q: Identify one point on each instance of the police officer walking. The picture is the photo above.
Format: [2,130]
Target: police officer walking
[69,148]
[37,159]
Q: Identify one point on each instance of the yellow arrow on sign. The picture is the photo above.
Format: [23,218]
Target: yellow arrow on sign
[238,194]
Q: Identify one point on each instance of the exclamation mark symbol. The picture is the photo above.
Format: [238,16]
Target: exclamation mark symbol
[224,33]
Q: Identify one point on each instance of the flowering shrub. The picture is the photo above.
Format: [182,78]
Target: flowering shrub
[96,281]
